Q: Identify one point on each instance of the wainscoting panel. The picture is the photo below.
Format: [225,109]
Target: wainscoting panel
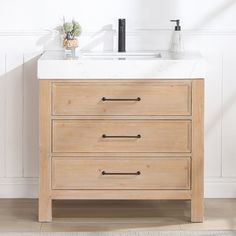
[30,116]
[14,114]
[2,113]
[213,115]
[229,116]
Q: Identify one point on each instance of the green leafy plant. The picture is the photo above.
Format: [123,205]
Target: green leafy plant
[71,29]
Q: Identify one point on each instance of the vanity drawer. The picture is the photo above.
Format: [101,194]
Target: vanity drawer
[121,98]
[105,173]
[146,136]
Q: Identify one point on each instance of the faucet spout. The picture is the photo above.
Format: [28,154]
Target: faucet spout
[121,35]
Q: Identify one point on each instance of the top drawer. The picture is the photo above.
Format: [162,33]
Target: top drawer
[121,98]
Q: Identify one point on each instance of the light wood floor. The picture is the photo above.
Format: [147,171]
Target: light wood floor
[21,215]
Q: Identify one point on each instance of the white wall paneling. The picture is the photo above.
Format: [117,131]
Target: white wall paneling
[2,113]
[229,115]
[30,116]
[14,114]
[213,115]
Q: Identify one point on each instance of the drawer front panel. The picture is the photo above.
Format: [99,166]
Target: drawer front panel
[145,173]
[121,136]
[113,98]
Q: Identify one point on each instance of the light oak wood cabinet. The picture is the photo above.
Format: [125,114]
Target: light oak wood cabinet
[121,139]
[79,136]
[147,173]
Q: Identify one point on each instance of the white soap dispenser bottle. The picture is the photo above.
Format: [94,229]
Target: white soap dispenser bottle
[177,40]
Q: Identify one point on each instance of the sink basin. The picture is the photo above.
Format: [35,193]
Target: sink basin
[114,65]
[120,56]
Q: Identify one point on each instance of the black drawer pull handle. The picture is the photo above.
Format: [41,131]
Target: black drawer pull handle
[120,173]
[121,99]
[121,136]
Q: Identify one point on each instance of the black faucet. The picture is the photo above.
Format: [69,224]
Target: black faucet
[121,36]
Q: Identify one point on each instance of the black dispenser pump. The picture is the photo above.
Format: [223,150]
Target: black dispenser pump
[177,27]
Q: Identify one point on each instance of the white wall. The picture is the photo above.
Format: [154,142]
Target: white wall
[25,31]
[44,14]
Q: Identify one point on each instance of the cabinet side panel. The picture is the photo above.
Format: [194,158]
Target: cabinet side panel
[197,150]
[45,203]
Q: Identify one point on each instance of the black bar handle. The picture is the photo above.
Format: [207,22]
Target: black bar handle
[121,136]
[104,99]
[121,173]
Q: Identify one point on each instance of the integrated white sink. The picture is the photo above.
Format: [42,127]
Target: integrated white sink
[120,56]
[113,65]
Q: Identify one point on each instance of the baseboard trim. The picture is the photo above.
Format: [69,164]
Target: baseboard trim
[18,187]
[28,188]
[220,188]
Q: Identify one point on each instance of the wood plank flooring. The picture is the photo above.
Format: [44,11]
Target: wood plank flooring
[20,215]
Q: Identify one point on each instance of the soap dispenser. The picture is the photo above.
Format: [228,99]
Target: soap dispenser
[177,40]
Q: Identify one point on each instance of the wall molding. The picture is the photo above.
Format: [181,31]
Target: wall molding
[25,32]
[227,32]
[132,32]
[28,187]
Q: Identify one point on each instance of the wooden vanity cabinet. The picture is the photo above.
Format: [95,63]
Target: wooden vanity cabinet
[121,139]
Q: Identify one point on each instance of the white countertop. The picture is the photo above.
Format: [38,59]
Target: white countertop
[56,65]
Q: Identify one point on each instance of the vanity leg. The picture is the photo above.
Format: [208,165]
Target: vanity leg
[197,203]
[197,209]
[45,210]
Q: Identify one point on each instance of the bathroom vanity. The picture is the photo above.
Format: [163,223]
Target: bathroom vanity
[121,127]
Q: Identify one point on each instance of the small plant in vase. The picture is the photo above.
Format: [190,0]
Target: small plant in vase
[71,31]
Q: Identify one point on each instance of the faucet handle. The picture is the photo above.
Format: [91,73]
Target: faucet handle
[121,35]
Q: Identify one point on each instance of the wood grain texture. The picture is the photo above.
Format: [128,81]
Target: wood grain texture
[163,176]
[45,201]
[84,173]
[143,117]
[122,194]
[123,155]
[86,136]
[157,98]
[197,205]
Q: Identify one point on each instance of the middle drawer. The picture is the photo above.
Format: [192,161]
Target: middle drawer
[146,136]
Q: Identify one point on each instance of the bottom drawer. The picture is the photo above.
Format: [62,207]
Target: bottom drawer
[120,173]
